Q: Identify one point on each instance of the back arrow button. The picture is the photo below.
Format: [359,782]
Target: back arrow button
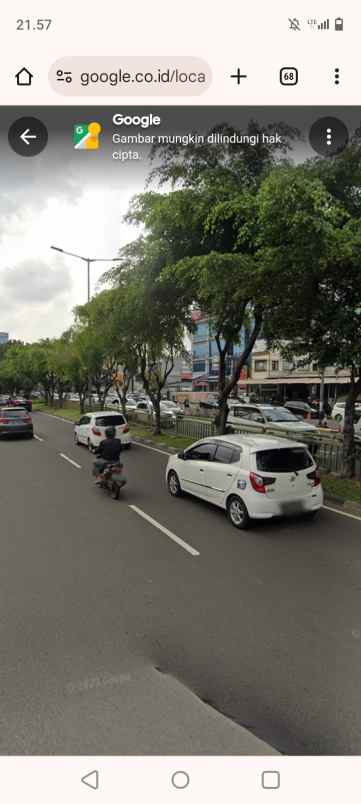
[28,136]
[92,780]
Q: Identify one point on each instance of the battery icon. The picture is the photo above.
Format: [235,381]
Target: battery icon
[338,24]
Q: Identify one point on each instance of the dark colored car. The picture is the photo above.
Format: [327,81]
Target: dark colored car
[302,409]
[15,421]
[210,404]
[20,402]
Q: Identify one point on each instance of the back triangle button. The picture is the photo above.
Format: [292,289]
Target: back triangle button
[91,780]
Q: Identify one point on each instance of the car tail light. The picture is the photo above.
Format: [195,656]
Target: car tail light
[126,428]
[4,421]
[96,432]
[26,419]
[315,476]
[260,483]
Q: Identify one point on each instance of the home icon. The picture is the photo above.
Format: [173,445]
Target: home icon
[24,77]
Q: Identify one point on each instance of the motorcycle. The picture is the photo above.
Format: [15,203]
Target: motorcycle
[112,480]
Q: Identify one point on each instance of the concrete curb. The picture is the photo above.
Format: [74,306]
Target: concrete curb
[349,506]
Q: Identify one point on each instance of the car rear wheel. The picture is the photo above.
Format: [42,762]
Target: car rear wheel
[91,447]
[174,486]
[76,440]
[237,513]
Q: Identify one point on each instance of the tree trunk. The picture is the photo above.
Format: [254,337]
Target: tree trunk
[222,416]
[226,388]
[348,451]
[156,406]
[220,419]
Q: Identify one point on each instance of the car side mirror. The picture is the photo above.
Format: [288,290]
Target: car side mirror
[182,456]
[77,422]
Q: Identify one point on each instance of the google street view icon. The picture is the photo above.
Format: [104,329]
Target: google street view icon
[86,136]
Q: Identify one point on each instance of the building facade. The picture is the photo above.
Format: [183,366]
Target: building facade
[268,376]
[274,378]
[4,337]
[205,356]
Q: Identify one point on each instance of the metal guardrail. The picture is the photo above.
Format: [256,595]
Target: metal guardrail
[326,447]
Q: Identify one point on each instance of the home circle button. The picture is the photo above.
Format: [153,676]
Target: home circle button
[180,780]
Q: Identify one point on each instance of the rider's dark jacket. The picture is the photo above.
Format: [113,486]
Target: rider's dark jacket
[109,450]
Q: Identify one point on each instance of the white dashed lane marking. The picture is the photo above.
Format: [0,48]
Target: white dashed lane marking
[73,463]
[167,532]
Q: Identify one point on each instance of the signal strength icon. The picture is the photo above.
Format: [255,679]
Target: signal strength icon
[324,26]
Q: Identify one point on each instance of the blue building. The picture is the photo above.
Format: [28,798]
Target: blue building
[205,356]
[4,337]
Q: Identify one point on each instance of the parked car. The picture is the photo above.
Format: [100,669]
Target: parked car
[250,477]
[302,409]
[172,407]
[277,417]
[338,410]
[340,418]
[129,405]
[90,429]
[210,404]
[15,421]
[146,406]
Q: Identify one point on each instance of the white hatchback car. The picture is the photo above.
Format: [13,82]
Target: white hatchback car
[90,429]
[251,477]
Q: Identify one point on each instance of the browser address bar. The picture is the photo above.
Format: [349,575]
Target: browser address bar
[130,75]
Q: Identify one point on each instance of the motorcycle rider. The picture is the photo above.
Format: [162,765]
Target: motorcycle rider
[107,452]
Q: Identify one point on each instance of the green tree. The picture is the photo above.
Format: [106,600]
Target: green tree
[205,235]
[310,245]
[151,318]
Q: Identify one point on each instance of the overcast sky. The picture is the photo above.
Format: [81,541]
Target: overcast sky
[47,204]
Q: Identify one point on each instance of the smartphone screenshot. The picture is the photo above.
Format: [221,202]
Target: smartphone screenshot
[180,403]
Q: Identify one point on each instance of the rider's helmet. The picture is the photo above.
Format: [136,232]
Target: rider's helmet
[110,432]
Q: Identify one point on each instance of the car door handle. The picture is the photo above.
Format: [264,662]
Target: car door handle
[201,470]
[229,474]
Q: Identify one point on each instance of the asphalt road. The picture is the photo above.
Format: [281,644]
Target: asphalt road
[116,638]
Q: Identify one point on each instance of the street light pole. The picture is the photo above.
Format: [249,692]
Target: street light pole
[88,261]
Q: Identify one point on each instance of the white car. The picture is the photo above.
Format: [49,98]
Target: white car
[338,410]
[269,415]
[146,406]
[340,419]
[251,477]
[171,407]
[90,429]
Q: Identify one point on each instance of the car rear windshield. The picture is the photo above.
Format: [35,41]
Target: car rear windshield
[13,414]
[109,421]
[285,459]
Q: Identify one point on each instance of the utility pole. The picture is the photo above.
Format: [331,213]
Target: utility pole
[87,260]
